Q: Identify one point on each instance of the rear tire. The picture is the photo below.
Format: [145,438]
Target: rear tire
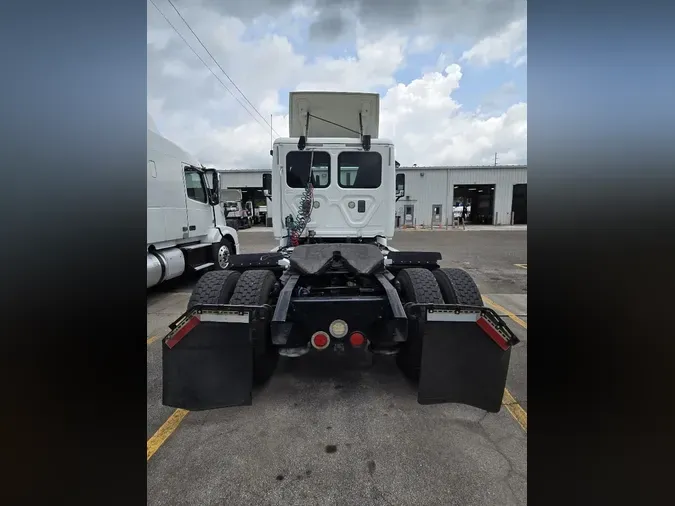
[458,287]
[214,287]
[417,285]
[254,288]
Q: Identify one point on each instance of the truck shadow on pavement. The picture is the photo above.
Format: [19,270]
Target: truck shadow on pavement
[322,372]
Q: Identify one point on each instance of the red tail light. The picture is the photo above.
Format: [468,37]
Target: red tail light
[320,340]
[357,339]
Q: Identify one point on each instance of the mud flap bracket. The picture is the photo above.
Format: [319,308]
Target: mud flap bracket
[207,357]
[465,355]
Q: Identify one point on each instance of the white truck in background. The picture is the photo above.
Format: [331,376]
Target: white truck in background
[236,213]
[239,213]
[260,215]
[186,228]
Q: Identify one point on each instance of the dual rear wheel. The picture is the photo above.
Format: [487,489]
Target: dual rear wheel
[441,286]
[254,288]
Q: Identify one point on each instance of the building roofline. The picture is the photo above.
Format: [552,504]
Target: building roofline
[460,167]
[402,167]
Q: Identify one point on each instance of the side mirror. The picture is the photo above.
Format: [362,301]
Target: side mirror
[400,185]
[215,188]
[267,185]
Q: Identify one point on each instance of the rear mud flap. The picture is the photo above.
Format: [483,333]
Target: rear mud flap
[465,355]
[207,358]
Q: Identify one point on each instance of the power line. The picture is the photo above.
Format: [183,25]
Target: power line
[218,64]
[206,65]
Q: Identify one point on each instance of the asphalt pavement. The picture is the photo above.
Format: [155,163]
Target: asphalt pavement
[320,434]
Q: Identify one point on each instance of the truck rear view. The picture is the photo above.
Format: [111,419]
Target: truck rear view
[334,285]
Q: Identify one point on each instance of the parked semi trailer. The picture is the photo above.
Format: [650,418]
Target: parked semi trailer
[186,227]
[333,284]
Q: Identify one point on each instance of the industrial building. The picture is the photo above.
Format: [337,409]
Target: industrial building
[493,195]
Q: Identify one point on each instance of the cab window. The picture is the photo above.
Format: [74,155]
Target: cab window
[357,169]
[194,184]
[300,165]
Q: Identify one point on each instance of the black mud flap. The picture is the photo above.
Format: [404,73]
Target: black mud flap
[207,358]
[465,355]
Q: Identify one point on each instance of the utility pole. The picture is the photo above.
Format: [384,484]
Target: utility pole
[495,159]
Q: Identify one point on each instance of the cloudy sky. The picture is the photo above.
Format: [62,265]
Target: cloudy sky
[451,75]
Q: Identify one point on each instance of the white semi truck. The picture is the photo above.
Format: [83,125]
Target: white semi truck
[334,283]
[236,212]
[186,228]
[260,215]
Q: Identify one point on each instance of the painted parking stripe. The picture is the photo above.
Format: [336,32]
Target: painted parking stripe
[151,340]
[522,266]
[163,433]
[505,311]
[515,409]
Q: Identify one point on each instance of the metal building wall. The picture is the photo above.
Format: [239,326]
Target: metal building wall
[435,187]
[429,186]
[424,191]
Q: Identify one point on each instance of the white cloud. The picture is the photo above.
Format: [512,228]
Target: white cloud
[504,46]
[422,44]
[430,128]
[373,66]
[158,38]
[428,125]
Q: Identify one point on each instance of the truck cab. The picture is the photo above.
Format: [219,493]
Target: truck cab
[186,227]
[335,169]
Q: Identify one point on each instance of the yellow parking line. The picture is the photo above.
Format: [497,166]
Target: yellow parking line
[497,307]
[522,266]
[515,409]
[152,340]
[508,400]
[165,431]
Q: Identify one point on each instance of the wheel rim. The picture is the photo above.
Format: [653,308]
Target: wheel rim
[223,256]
